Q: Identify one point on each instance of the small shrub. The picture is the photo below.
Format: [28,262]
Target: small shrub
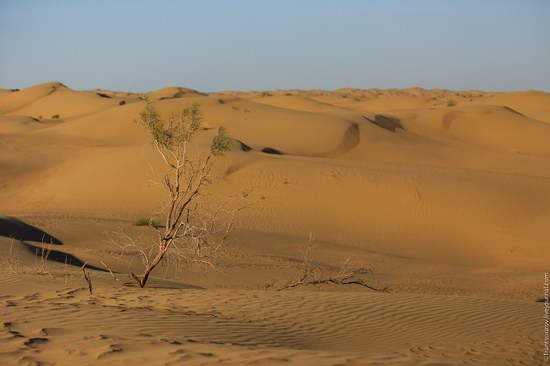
[56,116]
[147,222]
[11,261]
[122,102]
[451,103]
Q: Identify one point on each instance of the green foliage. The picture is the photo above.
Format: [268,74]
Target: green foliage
[221,143]
[451,103]
[147,222]
[151,120]
[179,131]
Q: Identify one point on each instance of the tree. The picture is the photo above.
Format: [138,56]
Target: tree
[190,231]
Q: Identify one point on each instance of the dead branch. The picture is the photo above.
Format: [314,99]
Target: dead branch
[87,277]
[111,272]
[345,276]
[66,272]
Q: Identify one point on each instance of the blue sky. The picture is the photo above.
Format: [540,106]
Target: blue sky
[280,44]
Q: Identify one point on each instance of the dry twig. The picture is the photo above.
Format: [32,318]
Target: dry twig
[345,276]
[66,272]
[111,272]
[41,262]
[87,277]
[11,261]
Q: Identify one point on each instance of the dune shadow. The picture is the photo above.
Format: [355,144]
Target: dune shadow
[388,123]
[272,151]
[10,227]
[71,260]
[351,138]
[242,145]
[513,111]
[59,256]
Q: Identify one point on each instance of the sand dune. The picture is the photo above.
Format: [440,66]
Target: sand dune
[449,203]
[15,98]
[209,327]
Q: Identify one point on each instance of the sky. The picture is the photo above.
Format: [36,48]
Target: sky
[214,45]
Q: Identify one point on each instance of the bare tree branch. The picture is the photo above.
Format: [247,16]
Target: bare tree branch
[345,276]
[87,278]
[110,271]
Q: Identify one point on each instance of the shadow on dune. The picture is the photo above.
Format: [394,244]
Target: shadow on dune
[10,227]
[242,145]
[60,257]
[388,123]
[270,150]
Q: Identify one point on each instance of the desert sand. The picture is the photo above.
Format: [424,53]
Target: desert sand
[445,194]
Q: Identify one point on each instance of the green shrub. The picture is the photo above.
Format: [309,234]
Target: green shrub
[147,222]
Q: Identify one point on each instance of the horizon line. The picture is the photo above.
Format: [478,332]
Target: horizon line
[277,89]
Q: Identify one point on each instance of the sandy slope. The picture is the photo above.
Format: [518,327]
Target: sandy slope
[450,204]
[167,326]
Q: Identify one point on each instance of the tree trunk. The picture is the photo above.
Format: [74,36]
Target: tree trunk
[142,280]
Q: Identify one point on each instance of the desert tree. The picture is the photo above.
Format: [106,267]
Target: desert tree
[193,229]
